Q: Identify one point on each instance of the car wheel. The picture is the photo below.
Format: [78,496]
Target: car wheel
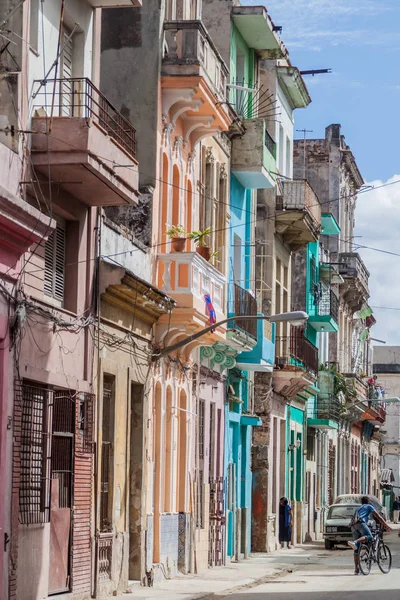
[329,545]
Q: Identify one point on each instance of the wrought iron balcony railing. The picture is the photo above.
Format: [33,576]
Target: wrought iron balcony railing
[241,302]
[78,97]
[328,305]
[270,143]
[325,408]
[299,349]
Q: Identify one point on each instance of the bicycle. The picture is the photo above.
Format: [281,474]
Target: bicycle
[375,551]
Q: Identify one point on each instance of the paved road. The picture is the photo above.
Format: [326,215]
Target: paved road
[322,575]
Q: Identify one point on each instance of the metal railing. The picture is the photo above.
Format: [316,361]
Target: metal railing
[243,303]
[329,305]
[270,143]
[298,348]
[78,97]
[303,350]
[299,195]
[325,408]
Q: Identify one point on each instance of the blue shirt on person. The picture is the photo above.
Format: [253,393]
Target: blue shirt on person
[364,511]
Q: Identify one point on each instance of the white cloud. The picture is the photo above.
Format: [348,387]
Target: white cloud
[378,222]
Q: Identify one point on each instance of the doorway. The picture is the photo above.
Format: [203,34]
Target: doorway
[135,482]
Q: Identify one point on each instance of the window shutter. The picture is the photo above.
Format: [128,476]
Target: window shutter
[54,264]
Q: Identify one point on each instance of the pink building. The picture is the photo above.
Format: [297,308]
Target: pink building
[21,226]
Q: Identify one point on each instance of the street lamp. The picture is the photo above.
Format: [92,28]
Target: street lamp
[296,318]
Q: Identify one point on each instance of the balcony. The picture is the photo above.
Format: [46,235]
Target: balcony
[87,138]
[324,412]
[324,314]
[242,302]
[261,358]
[298,214]
[194,79]
[355,274]
[253,160]
[293,86]
[257,30]
[187,277]
[296,364]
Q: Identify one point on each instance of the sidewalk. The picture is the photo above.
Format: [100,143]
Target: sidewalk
[258,569]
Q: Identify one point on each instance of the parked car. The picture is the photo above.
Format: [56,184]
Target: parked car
[356,499]
[337,526]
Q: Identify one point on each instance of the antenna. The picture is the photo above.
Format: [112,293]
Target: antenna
[304,132]
[315,72]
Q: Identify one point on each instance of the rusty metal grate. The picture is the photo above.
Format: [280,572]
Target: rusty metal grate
[34,497]
[86,423]
[104,556]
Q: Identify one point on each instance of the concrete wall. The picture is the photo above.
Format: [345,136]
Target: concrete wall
[216,16]
[130,70]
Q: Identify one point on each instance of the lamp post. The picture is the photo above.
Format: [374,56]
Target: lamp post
[296,318]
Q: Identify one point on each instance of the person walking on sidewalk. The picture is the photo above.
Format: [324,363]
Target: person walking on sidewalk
[360,530]
[396,510]
[285,522]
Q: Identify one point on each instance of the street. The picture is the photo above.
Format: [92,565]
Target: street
[307,572]
[321,575]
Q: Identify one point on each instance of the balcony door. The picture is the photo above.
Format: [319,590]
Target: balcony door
[66,68]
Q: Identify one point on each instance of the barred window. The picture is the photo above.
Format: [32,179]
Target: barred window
[34,486]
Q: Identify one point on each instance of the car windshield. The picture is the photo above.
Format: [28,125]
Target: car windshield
[357,499]
[341,512]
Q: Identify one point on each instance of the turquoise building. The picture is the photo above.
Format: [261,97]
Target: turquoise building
[257,337]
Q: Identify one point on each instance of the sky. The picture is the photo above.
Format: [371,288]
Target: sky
[360,41]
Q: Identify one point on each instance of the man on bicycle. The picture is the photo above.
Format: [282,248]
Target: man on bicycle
[360,530]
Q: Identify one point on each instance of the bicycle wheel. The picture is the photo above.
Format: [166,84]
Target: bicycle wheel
[365,559]
[384,558]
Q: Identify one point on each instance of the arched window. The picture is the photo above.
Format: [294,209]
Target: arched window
[164,206]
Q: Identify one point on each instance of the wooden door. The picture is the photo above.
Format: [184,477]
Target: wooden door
[62,411]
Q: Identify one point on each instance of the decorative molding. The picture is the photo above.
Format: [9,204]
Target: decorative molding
[190,124]
[171,96]
[210,157]
[223,173]
[167,131]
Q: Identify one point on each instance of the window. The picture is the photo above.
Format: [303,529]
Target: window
[33,499]
[212,443]
[201,429]
[34,26]
[200,471]
[237,259]
[49,420]
[66,68]
[106,499]
[54,263]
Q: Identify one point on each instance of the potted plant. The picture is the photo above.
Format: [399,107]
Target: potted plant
[177,235]
[199,238]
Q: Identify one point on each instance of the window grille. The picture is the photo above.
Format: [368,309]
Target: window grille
[54,263]
[86,422]
[106,454]
[201,429]
[34,486]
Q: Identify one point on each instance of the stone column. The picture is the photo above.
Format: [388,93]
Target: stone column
[260,463]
